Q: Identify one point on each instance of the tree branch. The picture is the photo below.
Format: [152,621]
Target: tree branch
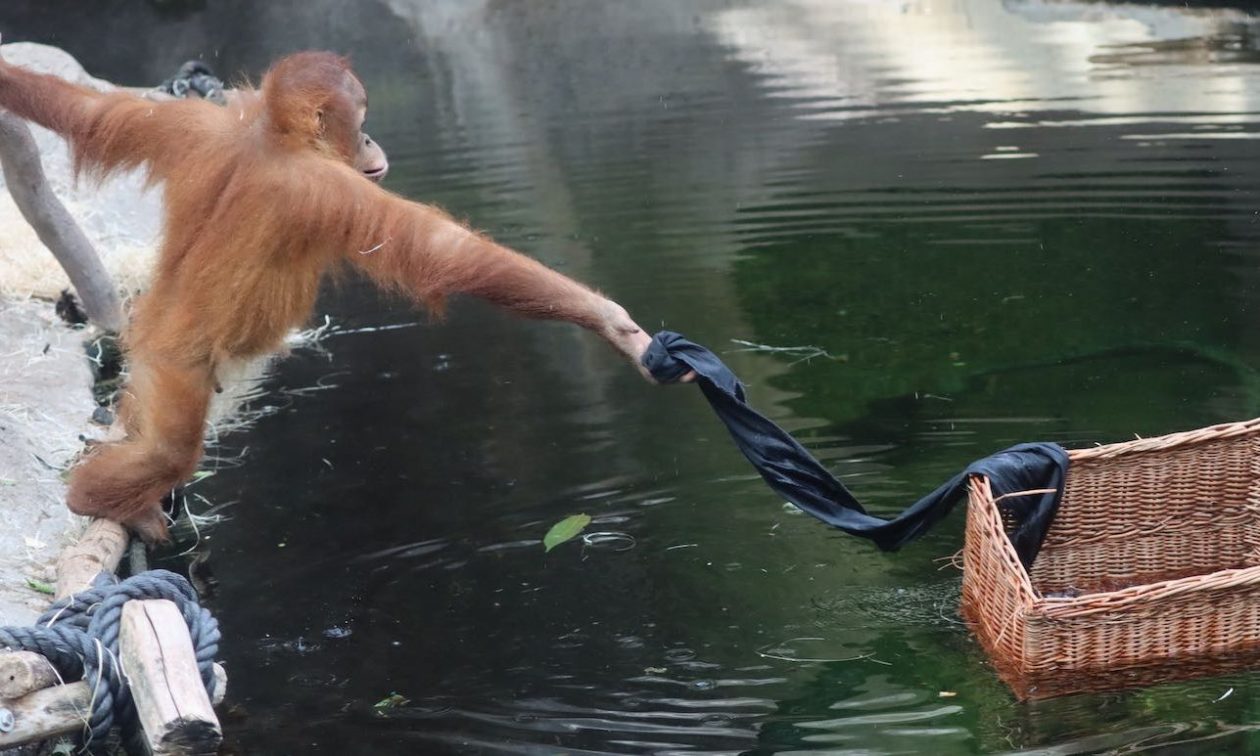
[56,228]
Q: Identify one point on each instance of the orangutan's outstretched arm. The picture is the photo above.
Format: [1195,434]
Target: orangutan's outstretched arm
[423,252]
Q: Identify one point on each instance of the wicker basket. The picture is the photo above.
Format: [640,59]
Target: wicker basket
[1150,571]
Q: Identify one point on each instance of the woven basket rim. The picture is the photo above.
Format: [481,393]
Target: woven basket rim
[1169,596]
[979,489]
[1210,433]
[1064,607]
[1125,598]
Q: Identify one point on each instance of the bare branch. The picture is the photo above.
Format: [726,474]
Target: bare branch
[57,229]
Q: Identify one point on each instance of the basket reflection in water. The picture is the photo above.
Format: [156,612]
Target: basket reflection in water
[1150,571]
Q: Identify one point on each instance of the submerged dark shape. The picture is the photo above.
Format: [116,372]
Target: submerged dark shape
[793,473]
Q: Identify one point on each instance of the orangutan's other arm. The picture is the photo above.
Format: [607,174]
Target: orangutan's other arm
[111,130]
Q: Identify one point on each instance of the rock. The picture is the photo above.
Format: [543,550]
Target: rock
[45,403]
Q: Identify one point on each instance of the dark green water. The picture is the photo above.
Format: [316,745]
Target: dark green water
[1001,222]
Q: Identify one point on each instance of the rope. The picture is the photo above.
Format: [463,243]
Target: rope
[79,636]
[196,77]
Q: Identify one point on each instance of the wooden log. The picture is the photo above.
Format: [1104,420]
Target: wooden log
[174,710]
[58,710]
[220,684]
[101,547]
[155,649]
[48,713]
[22,672]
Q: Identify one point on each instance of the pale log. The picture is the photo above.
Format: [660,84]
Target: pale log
[22,672]
[100,548]
[48,713]
[171,701]
[220,684]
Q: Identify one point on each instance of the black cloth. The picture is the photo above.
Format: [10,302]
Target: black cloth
[794,474]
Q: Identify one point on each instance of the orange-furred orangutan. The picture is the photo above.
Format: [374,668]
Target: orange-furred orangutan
[261,198]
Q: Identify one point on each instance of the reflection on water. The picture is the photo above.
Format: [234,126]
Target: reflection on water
[991,222]
[859,59]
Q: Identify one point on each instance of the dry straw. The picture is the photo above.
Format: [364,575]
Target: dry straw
[1150,571]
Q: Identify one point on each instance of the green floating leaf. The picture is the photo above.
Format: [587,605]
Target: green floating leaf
[565,530]
[391,702]
[40,586]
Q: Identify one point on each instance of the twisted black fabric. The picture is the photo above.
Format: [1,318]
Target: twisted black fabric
[79,636]
[794,474]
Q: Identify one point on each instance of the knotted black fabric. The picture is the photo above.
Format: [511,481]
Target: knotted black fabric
[795,475]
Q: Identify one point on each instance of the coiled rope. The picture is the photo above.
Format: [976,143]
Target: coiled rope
[79,636]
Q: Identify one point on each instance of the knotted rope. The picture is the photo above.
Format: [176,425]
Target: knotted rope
[196,77]
[79,636]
